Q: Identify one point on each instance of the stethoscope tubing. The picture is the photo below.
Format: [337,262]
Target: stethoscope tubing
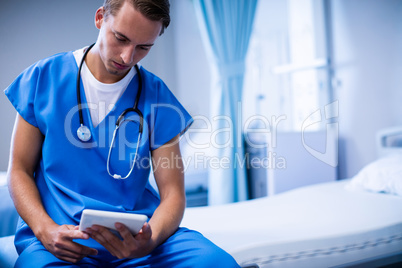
[86,137]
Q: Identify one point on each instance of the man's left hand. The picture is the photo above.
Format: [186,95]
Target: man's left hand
[129,245]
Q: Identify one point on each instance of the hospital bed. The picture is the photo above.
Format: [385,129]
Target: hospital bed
[8,223]
[355,222]
[349,223]
[322,225]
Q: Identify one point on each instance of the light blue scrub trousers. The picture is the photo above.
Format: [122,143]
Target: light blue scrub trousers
[186,248]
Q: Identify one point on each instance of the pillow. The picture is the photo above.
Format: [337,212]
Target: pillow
[381,176]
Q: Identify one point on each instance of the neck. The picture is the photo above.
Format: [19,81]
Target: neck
[98,69]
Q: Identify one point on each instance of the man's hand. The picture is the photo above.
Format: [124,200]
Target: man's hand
[58,240]
[129,245]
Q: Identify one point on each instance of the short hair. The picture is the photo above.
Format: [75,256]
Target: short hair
[156,10]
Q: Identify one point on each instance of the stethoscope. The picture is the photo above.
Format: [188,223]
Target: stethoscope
[83,132]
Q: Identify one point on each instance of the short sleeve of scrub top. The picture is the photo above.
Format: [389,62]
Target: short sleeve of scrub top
[170,118]
[21,94]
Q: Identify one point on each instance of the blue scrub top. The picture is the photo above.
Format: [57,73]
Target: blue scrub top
[71,175]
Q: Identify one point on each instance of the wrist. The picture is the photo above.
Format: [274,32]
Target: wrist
[40,229]
[158,237]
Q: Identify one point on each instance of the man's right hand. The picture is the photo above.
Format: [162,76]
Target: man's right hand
[58,240]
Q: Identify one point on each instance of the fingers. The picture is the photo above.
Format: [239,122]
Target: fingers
[74,232]
[128,246]
[145,233]
[124,232]
[64,248]
[82,250]
[74,252]
[107,239]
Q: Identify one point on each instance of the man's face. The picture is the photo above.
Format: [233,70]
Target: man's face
[124,39]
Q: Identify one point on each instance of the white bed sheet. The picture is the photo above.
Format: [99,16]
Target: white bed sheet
[319,225]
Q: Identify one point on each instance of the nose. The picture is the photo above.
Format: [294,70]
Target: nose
[127,55]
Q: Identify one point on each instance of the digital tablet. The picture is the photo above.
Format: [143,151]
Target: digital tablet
[89,217]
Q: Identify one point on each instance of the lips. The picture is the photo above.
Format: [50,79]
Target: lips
[120,66]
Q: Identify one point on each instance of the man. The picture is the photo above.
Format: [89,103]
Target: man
[53,175]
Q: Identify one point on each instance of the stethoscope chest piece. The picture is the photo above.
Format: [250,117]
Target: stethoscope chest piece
[83,133]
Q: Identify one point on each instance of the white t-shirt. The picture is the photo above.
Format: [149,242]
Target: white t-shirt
[101,97]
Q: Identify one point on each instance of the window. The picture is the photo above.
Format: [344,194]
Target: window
[287,64]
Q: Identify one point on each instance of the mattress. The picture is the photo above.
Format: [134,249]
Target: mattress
[8,213]
[321,225]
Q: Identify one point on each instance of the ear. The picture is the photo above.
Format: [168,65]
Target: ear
[99,17]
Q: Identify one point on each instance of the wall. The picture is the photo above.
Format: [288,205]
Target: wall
[193,70]
[367,59]
[31,30]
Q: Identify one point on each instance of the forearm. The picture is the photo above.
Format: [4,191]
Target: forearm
[57,239]
[170,181]
[27,201]
[167,217]
[26,147]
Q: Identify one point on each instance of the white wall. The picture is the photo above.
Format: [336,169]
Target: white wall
[180,57]
[31,30]
[193,70]
[367,54]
